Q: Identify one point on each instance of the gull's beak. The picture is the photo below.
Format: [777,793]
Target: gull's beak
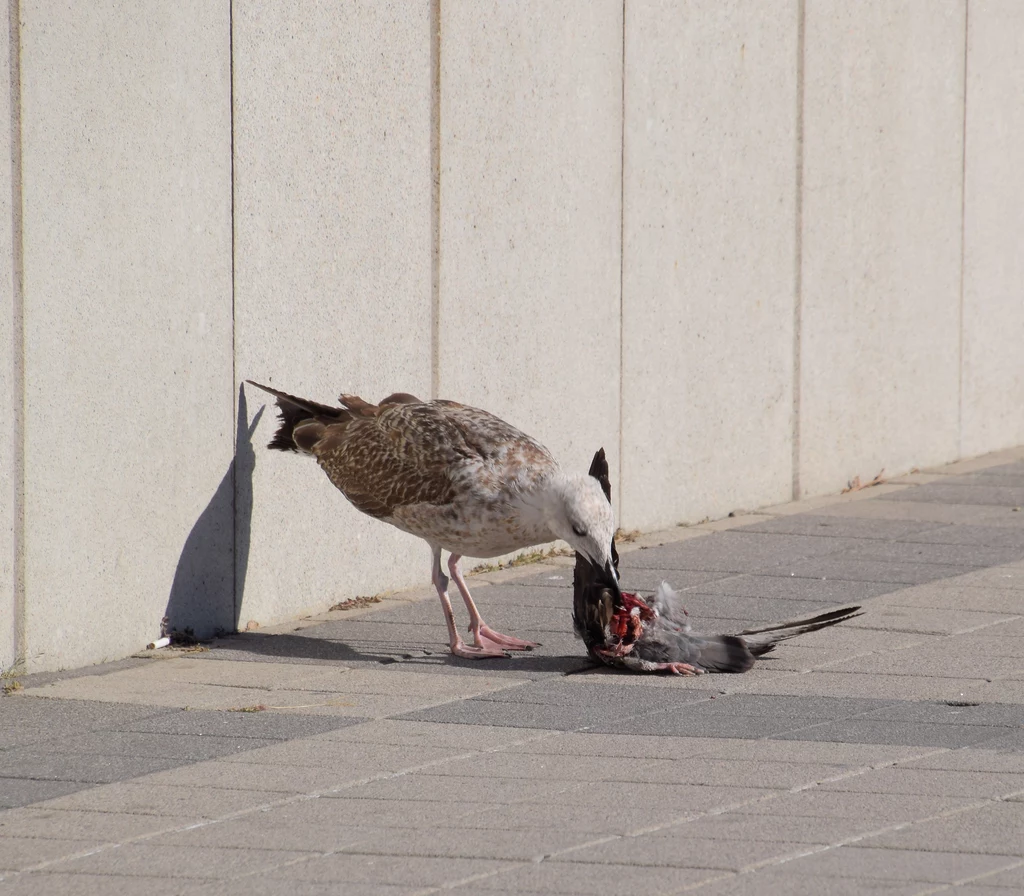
[608,579]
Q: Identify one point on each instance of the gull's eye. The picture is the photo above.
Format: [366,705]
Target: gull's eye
[579,530]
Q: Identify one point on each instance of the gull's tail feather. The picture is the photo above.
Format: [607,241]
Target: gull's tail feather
[302,421]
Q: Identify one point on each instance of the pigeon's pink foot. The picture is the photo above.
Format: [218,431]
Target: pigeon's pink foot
[483,651]
[679,669]
[486,635]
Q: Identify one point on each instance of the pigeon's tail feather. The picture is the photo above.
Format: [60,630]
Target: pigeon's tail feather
[302,421]
[763,640]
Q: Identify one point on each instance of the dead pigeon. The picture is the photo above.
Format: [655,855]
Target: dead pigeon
[622,629]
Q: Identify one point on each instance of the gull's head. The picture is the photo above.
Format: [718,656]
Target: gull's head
[580,514]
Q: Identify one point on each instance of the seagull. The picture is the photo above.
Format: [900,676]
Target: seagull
[458,477]
[622,629]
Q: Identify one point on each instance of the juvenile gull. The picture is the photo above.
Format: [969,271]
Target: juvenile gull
[623,629]
[459,478]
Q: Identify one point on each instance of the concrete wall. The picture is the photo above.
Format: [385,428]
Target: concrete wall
[333,249]
[125,172]
[10,470]
[752,247]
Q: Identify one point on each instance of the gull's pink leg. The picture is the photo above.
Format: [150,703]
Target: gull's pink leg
[455,642]
[483,634]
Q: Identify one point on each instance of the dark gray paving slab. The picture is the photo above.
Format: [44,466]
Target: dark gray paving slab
[23,791]
[684,724]
[802,707]
[893,733]
[88,768]
[842,527]
[183,747]
[973,554]
[559,692]
[987,536]
[1011,476]
[963,492]
[259,725]
[1011,742]
[856,569]
[735,551]
[820,591]
[26,720]
[943,713]
[555,717]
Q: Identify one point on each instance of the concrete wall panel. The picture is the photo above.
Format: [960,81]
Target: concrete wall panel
[993,315]
[531,112]
[127,248]
[333,253]
[8,621]
[709,258]
[883,125]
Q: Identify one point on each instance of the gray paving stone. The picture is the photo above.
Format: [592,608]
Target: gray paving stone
[870,731]
[823,592]
[577,692]
[973,492]
[256,886]
[516,715]
[781,881]
[856,569]
[876,809]
[519,845]
[680,724]
[931,782]
[595,880]
[26,720]
[62,824]
[898,864]
[996,828]
[986,536]
[16,792]
[47,884]
[259,725]
[1013,742]
[419,871]
[183,747]
[735,551]
[681,849]
[19,853]
[169,862]
[729,826]
[946,553]
[941,712]
[843,527]
[88,768]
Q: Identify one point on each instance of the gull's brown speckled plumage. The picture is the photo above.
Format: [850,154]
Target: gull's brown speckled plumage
[459,477]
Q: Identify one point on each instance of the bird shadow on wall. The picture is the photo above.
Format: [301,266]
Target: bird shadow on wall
[205,596]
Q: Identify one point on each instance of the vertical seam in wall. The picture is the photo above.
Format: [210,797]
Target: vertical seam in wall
[435,198]
[18,338]
[236,597]
[622,264]
[798,285]
[963,245]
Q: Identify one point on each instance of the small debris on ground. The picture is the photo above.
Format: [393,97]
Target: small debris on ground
[354,603]
[257,707]
[12,686]
[855,485]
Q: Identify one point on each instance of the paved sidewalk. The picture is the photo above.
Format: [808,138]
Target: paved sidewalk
[350,754]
